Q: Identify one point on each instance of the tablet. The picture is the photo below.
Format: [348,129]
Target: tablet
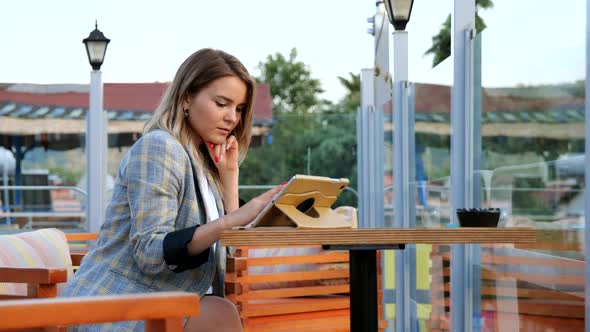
[305,199]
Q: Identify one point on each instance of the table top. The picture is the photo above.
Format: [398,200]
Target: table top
[278,236]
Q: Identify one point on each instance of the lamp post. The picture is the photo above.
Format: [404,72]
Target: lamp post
[96,136]
[398,12]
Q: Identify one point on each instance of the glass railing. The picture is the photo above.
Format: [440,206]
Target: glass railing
[531,166]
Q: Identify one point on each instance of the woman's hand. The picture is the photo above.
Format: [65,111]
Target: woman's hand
[225,155]
[209,233]
[244,215]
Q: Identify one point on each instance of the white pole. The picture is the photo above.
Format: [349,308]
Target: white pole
[401,174]
[587,169]
[462,159]
[382,74]
[95,155]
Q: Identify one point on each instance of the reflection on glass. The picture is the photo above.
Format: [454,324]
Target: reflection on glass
[532,168]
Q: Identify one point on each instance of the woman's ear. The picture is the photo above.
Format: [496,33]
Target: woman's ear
[186,102]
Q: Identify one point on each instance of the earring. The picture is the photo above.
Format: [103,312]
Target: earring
[186,113]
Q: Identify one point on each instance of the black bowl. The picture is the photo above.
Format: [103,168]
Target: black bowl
[478,217]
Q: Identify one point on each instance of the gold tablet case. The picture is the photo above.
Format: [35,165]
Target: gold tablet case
[306,203]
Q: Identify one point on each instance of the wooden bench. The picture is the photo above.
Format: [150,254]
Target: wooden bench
[42,282]
[313,297]
[521,289]
[161,311]
[313,300]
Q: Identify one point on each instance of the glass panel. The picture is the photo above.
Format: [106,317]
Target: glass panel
[431,101]
[431,263]
[531,165]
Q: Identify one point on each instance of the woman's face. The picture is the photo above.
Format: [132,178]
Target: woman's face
[215,111]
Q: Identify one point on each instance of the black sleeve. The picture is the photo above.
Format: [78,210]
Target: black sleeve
[176,250]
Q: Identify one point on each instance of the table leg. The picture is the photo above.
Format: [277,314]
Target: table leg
[363,290]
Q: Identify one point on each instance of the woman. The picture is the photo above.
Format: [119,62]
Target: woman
[176,191]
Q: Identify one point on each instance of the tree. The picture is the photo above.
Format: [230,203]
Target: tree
[352,99]
[308,132]
[441,42]
[291,85]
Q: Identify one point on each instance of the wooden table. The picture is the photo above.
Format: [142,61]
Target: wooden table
[362,245]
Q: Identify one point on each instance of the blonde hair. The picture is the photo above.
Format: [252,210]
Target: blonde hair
[197,72]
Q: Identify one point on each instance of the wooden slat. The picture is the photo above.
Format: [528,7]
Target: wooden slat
[294,292]
[528,277]
[336,257]
[521,292]
[97,309]
[41,290]
[375,236]
[331,324]
[288,306]
[33,275]
[330,320]
[559,262]
[535,308]
[81,236]
[77,258]
[538,294]
[164,325]
[294,276]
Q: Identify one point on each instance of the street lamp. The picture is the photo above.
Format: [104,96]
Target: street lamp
[96,47]
[398,12]
[96,133]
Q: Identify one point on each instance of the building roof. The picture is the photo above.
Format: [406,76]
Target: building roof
[503,114]
[123,101]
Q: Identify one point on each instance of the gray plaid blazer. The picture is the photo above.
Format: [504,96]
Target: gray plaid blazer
[156,192]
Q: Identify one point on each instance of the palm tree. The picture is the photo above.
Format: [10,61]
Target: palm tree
[352,99]
[441,42]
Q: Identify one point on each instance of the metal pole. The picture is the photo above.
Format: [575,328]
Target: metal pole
[462,129]
[366,156]
[6,199]
[382,79]
[95,155]
[402,170]
[587,174]
[382,74]
[308,160]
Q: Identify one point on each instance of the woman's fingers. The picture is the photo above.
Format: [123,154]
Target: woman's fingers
[217,153]
[231,143]
[267,196]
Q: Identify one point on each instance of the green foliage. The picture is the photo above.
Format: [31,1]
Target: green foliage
[352,99]
[330,139]
[69,176]
[291,85]
[573,89]
[441,42]
[309,134]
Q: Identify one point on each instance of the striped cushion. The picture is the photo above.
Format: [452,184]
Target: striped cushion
[36,249]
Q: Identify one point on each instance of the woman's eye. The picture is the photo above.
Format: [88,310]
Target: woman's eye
[240,109]
[220,104]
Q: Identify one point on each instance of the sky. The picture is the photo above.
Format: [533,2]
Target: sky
[527,42]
